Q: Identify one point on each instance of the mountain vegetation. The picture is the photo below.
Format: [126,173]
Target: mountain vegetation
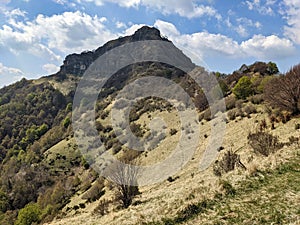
[44,177]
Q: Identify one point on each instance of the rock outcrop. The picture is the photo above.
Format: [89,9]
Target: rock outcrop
[76,64]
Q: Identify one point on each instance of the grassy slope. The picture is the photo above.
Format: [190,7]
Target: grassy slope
[274,195]
[268,197]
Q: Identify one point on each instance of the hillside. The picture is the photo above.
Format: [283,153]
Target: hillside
[45,179]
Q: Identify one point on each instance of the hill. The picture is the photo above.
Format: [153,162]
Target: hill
[45,179]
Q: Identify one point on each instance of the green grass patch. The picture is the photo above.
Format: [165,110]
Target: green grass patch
[269,197]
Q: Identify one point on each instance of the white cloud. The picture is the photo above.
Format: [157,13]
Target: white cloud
[167,28]
[292,14]
[131,30]
[50,68]
[120,25]
[271,2]
[264,8]
[201,44]
[17,12]
[204,44]
[61,2]
[184,8]
[241,30]
[123,3]
[249,22]
[4,2]
[26,41]
[243,25]
[268,47]
[9,75]
[50,37]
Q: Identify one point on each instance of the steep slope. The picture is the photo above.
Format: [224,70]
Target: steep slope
[201,197]
[43,175]
[36,126]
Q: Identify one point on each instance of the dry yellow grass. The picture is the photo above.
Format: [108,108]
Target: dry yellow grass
[167,198]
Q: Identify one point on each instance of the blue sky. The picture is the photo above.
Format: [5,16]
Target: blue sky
[36,35]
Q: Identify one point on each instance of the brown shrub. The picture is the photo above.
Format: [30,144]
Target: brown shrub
[250,109]
[228,162]
[232,114]
[284,92]
[102,207]
[256,99]
[230,102]
[263,142]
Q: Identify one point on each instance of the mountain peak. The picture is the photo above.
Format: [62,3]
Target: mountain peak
[147,33]
[76,64]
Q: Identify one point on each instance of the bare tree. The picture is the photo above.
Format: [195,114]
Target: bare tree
[284,91]
[125,177]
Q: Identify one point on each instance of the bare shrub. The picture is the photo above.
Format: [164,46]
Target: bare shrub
[228,162]
[250,109]
[256,99]
[232,114]
[284,92]
[230,102]
[173,131]
[264,142]
[239,103]
[125,178]
[102,207]
[137,129]
[285,116]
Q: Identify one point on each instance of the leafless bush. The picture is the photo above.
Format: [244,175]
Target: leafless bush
[284,92]
[102,207]
[228,162]
[173,131]
[250,109]
[239,103]
[125,178]
[232,114]
[256,99]
[230,102]
[264,142]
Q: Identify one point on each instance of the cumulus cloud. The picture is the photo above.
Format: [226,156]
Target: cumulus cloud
[167,28]
[184,8]
[9,75]
[50,37]
[131,30]
[50,68]
[268,47]
[204,44]
[292,15]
